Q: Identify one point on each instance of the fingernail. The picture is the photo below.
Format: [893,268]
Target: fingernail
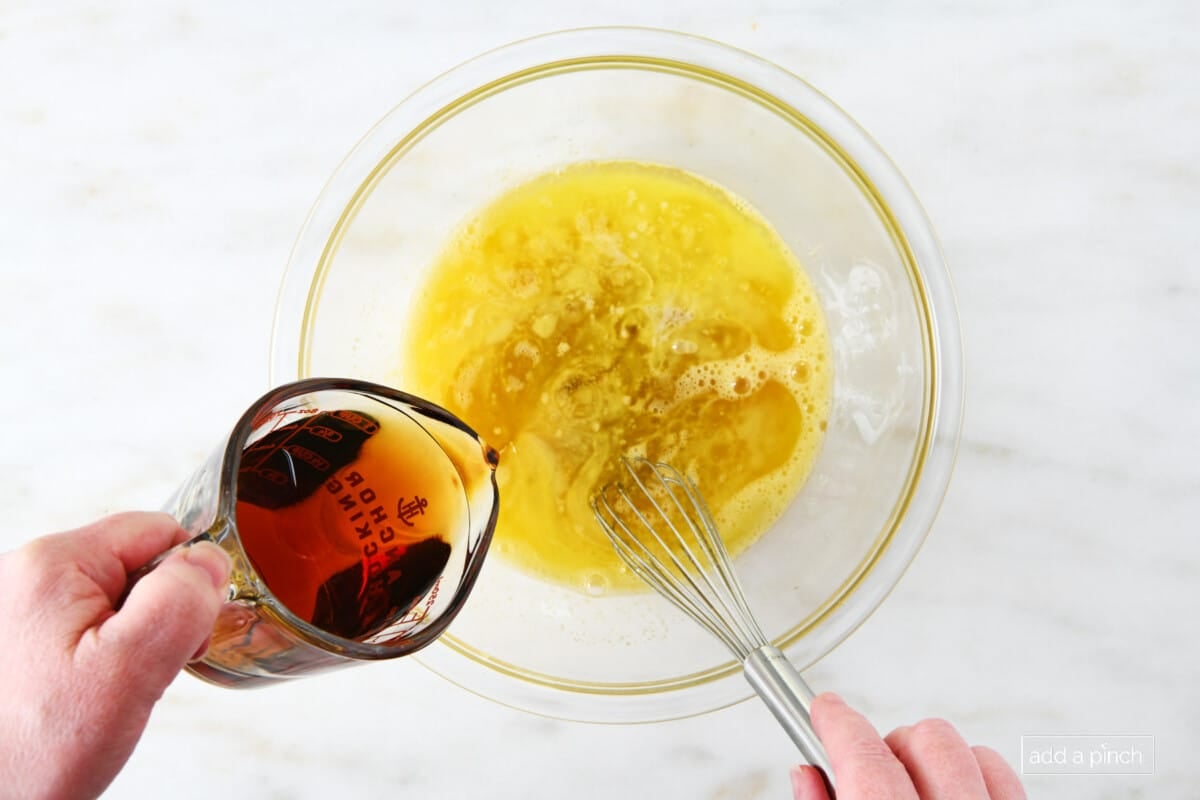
[212,559]
[804,786]
[834,697]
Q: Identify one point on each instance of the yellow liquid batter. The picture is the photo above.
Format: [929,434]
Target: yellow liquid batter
[617,308]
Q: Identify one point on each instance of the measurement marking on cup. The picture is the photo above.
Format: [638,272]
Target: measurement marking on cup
[420,613]
[279,416]
[323,432]
[267,446]
[368,426]
[314,460]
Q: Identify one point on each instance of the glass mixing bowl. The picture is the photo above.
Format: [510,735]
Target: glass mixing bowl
[833,196]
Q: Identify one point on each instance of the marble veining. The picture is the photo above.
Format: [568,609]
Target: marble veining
[157,161]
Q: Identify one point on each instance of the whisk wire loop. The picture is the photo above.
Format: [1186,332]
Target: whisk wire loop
[733,597]
[697,578]
[662,528]
[633,550]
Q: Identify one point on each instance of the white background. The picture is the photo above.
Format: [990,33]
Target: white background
[158,159]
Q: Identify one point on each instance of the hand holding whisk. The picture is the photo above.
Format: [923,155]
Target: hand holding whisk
[661,528]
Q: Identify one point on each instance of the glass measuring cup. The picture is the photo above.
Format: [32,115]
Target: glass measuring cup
[356,516]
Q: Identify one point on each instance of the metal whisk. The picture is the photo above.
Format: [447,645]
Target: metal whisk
[662,529]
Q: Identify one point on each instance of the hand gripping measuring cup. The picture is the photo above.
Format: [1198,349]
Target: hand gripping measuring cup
[356,516]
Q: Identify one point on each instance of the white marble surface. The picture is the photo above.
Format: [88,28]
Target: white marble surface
[157,159]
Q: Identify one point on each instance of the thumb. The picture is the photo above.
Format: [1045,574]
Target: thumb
[168,616]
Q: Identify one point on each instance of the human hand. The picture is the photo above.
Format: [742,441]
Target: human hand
[79,676]
[926,761]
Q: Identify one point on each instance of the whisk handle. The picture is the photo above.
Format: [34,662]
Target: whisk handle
[788,697]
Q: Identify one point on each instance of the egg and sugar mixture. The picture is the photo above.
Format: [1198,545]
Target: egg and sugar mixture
[617,309]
